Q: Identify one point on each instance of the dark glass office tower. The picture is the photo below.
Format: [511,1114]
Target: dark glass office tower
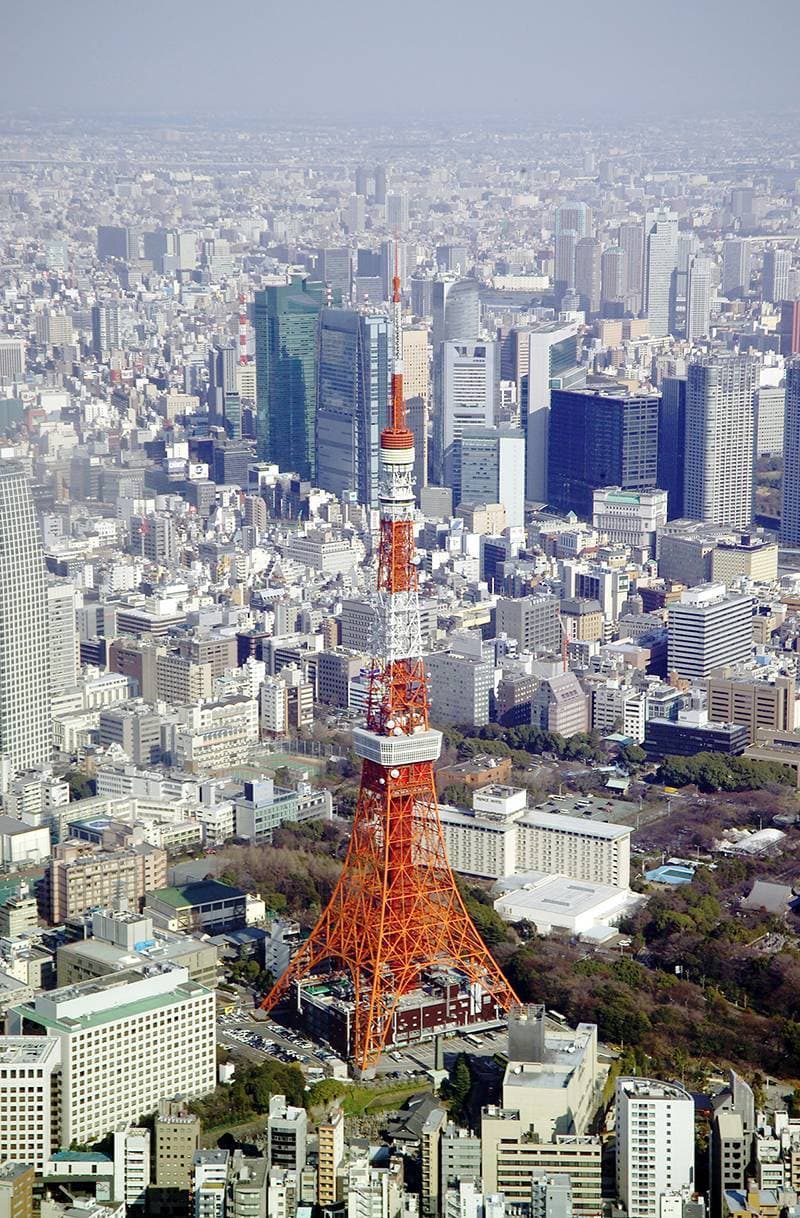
[286,318]
[352,401]
[672,442]
[600,439]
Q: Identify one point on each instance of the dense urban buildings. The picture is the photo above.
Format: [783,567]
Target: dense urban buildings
[585,549]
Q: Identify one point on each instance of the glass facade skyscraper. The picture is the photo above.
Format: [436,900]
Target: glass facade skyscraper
[352,401]
[671,441]
[600,439]
[286,318]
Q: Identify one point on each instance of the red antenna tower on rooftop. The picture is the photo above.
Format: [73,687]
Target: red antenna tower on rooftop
[396,912]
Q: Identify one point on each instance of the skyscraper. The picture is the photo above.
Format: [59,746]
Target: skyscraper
[735,267]
[564,272]
[661,254]
[600,439]
[790,508]
[456,317]
[24,627]
[286,317]
[775,275]
[698,297]
[334,269]
[613,281]
[552,364]
[471,382]
[62,608]
[352,401]
[397,211]
[574,217]
[380,184]
[789,327]
[492,469]
[354,216]
[671,442]
[720,440]
[223,362]
[631,241]
[587,273]
[105,329]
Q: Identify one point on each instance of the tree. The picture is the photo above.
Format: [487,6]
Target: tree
[459,1086]
[80,787]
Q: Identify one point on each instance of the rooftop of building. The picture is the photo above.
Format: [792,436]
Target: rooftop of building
[557,814]
[651,1089]
[542,893]
[12,1169]
[80,1156]
[26,1050]
[44,1009]
[200,892]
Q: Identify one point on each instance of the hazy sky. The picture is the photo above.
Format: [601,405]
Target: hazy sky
[436,58]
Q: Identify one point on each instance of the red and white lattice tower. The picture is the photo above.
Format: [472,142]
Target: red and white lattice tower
[396,912]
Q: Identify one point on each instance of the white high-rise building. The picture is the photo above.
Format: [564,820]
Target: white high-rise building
[456,318]
[209,1183]
[131,1164]
[28,1123]
[655,1143]
[107,1028]
[493,470]
[552,363]
[775,275]
[24,632]
[63,601]
[12,358]
[661,255]
[471,387]
[790,508]
[735,267]
[708,628]
[698,297]
[720,440]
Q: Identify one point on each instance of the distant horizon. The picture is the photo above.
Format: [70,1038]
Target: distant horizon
[446,61]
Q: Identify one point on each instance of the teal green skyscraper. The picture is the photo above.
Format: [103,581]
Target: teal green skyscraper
[286,318]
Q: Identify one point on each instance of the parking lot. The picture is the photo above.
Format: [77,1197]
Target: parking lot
[256,1039]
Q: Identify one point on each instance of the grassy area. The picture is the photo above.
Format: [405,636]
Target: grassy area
[245,1131]
[359,1101]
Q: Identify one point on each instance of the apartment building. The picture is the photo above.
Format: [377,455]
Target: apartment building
[330,1153]
[81,877]
[655,1143]
[177,1137]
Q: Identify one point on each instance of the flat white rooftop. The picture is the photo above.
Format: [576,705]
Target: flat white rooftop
[27,1050]
[562,822]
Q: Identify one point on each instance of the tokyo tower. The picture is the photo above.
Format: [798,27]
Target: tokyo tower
[396,911]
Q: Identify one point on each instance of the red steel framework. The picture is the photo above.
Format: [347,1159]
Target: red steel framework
[396,911]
